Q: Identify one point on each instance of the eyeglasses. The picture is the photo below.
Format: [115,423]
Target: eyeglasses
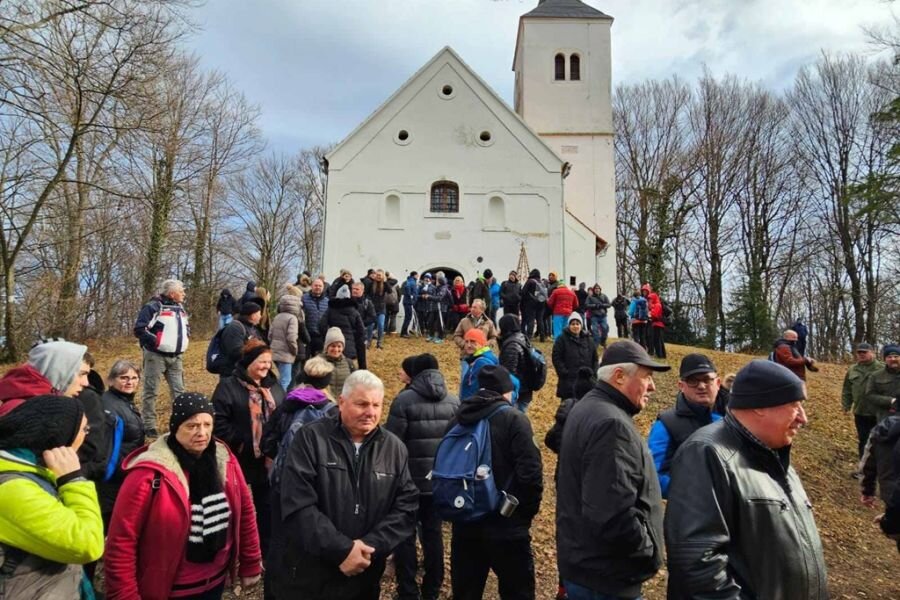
[126,378]
[693,382]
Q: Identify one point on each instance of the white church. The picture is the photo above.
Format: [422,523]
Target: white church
[446,176]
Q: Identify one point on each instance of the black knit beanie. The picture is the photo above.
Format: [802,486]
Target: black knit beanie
[187,405]
[408,366]
[252,354]
[763,383]
[423,362]
[41,423]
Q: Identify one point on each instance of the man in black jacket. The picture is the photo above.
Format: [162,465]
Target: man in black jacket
[347,500]
[608,506]
[344,314]
[419,417]
[738,523]
[498,543]
[511,294]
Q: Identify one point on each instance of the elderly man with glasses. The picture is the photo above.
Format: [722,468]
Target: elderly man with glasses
[694,408]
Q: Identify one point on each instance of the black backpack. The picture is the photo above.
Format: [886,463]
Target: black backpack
[215,361]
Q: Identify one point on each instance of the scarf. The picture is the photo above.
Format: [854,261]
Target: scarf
[210,513]
[261,406]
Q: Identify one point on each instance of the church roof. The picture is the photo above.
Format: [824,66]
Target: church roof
[566,9]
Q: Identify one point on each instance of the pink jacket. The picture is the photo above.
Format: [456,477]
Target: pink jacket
[149,530]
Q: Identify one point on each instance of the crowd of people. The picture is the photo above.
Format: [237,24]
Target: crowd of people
[285,473]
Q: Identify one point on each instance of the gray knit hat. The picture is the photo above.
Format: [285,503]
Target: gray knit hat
[334,334]
[59,361]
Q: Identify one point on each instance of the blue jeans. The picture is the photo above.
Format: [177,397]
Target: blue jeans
[559,325]
[579,592]
[599,328]
[379,323]
[224,320]
[370,331]
[284,374]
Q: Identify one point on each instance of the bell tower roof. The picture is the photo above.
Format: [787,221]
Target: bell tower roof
[575,9]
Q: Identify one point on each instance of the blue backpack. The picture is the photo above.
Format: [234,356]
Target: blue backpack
[641,311]
[463,485]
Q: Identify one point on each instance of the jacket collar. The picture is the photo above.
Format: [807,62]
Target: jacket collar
[610,394]
[160,457]
[778,461]
[339,432]
[685,408]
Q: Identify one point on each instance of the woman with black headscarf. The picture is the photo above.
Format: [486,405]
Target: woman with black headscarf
[184,518]
[49,516]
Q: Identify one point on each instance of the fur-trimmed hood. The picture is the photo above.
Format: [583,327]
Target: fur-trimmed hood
[159,457]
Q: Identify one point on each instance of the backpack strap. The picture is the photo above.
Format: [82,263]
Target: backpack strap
[113,461]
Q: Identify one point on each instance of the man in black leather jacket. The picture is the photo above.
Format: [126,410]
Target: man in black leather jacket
[347,500]
[739,524]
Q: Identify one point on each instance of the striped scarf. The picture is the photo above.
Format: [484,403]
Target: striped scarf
[210,512]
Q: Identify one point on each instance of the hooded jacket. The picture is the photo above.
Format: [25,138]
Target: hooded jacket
[21,383]
[514,355]
[419,416]
[331,494]
[142,561]
[288,329]
[516,465]
[343,314]
[739,523]
[66,529]
[654,305]
[226,304]
[570,352]
[471,365]
[608,505]
[562,301]
[232,421]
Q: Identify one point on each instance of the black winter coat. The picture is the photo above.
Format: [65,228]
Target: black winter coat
[608,505]
[234,336]
[232,421]
[94,452]
[516,466]
[738,522]
[877,464]
[513,356]
[367,310]
[511,296]
[226,305]
[120,405]
[419,417]
[570,353]
[343,314]
[620,306]
[331,495]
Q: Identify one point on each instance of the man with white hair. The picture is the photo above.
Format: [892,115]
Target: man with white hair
[476,319]
[162,331]
[347,500]
[609,518]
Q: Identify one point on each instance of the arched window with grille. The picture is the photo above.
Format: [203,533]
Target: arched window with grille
[575,68]
[559,67]
[444,197]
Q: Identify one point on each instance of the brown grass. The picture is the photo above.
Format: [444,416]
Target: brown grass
[860,560]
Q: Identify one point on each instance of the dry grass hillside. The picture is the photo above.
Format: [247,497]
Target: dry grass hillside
[861,562]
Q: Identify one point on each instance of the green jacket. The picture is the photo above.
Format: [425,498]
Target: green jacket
[855,387]
[882,386]
[66,530]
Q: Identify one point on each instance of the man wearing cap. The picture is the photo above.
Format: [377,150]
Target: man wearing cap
[698,385]
[853,397]
[419,416]
[608,504]
[476,354]
[235,334]
[883,386]
[347,499]
[738,522]
[498,543]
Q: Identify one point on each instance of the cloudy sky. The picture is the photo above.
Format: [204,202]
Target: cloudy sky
[319,67]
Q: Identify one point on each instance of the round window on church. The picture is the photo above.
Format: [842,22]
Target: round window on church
[485,138]
[402,137]
[446,92]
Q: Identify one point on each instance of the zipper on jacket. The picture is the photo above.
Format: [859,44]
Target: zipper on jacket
[356,468]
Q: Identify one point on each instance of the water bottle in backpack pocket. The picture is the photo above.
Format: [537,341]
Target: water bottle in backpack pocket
[464,488]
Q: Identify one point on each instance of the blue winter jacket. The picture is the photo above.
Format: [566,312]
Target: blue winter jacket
[495,294]
[314,308]
[410,292]
[471,365]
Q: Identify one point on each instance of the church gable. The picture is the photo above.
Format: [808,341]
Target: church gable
[447,116]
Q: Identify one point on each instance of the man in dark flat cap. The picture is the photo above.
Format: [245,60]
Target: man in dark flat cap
[738,522]
[608,502]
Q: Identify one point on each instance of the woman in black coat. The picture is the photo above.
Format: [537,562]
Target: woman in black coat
[514,350]
[118,401]
[244,402]
[343,313]
[572,350]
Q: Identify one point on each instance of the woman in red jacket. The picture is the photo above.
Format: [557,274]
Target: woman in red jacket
[657,336]
[183,522]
